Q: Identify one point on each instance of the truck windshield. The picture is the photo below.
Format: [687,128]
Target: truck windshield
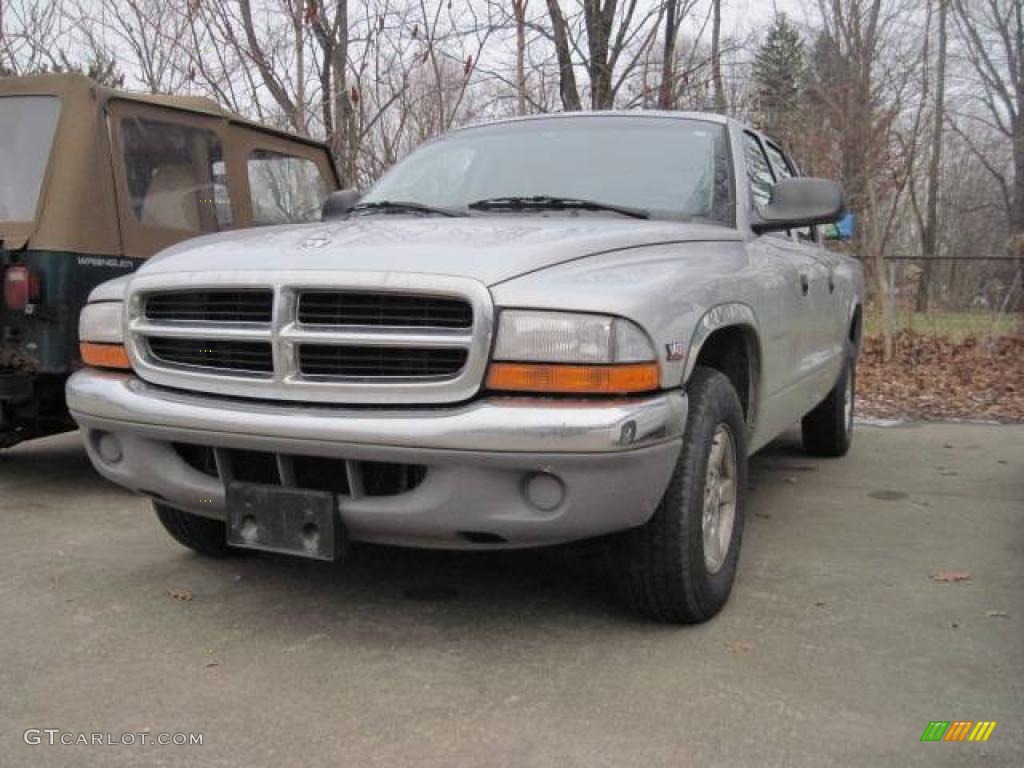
[27,126]
[670,168]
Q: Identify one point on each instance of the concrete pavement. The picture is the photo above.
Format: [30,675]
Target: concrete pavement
[837,648]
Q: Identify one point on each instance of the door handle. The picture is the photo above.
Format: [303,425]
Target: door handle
[805,284]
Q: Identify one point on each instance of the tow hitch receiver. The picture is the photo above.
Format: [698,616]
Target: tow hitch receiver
[289,521]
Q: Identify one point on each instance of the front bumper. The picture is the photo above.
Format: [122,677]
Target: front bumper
[610,461]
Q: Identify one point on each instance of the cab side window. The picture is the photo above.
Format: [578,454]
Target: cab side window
[175,175]
[784,170]
[759,171]
[284,189]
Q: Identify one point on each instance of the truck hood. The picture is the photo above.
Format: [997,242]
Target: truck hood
[490,249]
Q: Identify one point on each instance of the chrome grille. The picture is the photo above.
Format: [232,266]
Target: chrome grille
[379,362]
[211,306]
[383,309]
[219,354]
[338,337]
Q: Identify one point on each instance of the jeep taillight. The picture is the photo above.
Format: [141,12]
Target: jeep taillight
[21,287]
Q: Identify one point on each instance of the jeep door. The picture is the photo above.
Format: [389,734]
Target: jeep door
[171,175]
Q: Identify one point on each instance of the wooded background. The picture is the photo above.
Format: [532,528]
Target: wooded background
[915,105]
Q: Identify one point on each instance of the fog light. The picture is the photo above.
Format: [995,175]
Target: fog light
[108,447]
[544,491]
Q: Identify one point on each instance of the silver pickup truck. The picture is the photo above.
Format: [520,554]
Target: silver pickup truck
[527,332]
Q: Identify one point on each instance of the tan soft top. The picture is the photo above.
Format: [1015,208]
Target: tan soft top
[77,208]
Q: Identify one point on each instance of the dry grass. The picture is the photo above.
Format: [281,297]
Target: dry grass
[955,326]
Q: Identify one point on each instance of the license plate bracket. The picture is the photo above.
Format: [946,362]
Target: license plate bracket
[290,521]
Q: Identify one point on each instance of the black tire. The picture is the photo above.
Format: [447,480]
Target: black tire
[828,429]
[200,534]
[661,565]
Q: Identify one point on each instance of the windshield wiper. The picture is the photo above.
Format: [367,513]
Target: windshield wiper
[399,206]
[547,202]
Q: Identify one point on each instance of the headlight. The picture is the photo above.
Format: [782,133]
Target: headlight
[101,336]
[562,337]
[562,352]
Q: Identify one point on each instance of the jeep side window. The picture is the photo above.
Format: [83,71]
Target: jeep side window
[175,176]
[284,189]
[784,170]
[759,172]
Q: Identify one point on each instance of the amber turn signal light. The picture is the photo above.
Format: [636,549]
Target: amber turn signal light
[573,379]
[104,355]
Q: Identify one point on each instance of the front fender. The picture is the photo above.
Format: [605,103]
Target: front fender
[666,289]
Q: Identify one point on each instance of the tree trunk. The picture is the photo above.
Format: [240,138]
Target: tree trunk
[716,56]
[566,75]
[267,74]
[519,9]
[667,90]
[598,21]
[343,142]
[929,237]
[300,66]
[1017,212]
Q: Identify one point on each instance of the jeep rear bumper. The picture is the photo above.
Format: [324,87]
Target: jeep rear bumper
[499,472]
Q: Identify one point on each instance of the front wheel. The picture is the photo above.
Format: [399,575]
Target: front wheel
[679,567]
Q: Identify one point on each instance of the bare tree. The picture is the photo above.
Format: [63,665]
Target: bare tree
[566,74]
[519,11]
[32,33]
[992,32]
[716,55]
[928,224]
[610,40]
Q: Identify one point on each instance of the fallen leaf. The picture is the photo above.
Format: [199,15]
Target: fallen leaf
[184,595]
[949,576]
[738,646]
[932,377]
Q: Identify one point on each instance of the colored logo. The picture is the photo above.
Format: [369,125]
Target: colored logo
[958,730]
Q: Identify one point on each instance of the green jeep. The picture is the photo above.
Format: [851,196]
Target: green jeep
[94,182]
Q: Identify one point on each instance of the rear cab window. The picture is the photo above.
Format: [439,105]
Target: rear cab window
[27,127]
[284,188]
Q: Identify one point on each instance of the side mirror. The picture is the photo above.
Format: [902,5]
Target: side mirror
[338,204]
[799,203]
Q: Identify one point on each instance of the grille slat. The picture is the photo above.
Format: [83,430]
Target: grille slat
[311,472]
[370,340]
[252,306]
[379,362]
[341,308]
[242,356]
